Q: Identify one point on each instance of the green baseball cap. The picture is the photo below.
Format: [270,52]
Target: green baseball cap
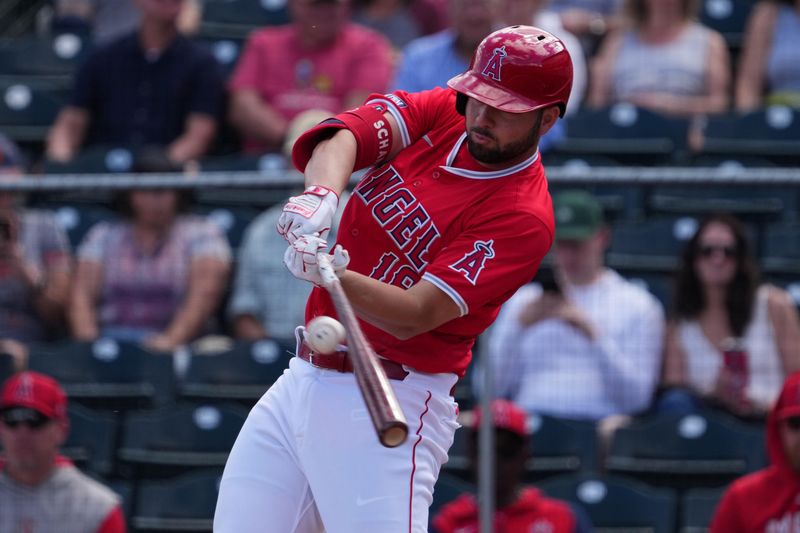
[578,215]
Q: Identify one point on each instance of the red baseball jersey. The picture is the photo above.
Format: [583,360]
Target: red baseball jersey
[434,213]
[531,512]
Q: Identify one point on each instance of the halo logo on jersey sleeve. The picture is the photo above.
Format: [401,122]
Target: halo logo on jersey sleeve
[492,69]
[473,262]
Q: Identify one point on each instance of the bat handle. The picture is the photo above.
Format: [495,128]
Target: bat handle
[326,270]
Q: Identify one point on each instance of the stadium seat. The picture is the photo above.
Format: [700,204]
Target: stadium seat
[244,372]
[106,373]
[6,366]
[184,503]
[96,160]
[697,509]
[618,201]
[728,17]
[232,221]
[178,437]
[743,201]
[627,133]
[447,489]
[680,450]
[657,284]
[617,504]
[773,133]
[654,244]
[237,18]
[27,111]
[77,220]
[226,51]
[91,440]
[55,56]
[781,249]
[124,490]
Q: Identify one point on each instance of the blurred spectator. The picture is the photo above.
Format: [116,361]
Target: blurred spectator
[590,20]
[431,61]
[767,500]
[319,61]
[267,300]
[34,265]
[108,20]
[391,18]
[39,489]
[151,87]
[585,344]
[156,277]
[718,298]
[518,508]
[666,62]
[769,70]
[431,15]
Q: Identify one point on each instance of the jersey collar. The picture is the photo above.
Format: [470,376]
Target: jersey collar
[483,174]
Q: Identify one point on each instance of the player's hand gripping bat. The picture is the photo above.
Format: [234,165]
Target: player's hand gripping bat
[382,404]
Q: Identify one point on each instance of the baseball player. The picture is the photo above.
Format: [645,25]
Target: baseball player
[451,217]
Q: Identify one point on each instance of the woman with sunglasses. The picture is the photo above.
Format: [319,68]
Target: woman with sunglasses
[732,340]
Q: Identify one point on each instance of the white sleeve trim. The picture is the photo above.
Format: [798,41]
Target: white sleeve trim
[401,122]
[448,290]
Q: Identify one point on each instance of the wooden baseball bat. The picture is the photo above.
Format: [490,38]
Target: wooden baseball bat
[384,409]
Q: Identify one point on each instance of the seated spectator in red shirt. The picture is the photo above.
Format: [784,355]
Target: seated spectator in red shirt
[517,509]
[319,61]
[156,277]
[151,87]
[767,500]
[34,266]
[39,489]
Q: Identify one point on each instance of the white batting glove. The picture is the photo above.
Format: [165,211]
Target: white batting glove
[311,212]
[301,258]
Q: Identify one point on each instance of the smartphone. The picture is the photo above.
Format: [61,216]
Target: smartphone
[547,279]
[735,360]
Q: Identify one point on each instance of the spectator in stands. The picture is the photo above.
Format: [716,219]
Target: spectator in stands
[587,345]
[156,277]
[665,62]
[392,18]
[431,61]
[319,61]
[718,298]
[108,20]
[267,300]
[767,500]
[590,20]
[518,508]
[769,69]
[39,489]
[34,266]
[151,87]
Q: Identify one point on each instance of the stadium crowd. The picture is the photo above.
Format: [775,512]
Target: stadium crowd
[584,343]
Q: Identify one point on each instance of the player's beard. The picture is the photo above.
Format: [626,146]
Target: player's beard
[509,152]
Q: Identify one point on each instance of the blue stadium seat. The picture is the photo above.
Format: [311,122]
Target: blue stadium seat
[697,509]
[105,373]
[617,504]
[680,450]
[6,366]
[657,284]
[91,440]
[184,503]
[773,133]
[232,221]
[226,50]
[624,132]
[27,111]
[654,244]
[237,18]
[728,17]
[56,56]
[744,201]
[76,220]
[618,201]
[178,437]
[244,372]
[781,249]
[96,160]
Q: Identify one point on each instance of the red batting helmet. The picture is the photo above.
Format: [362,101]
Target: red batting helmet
[518,69]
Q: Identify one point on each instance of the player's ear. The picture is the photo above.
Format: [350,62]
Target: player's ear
[549,117]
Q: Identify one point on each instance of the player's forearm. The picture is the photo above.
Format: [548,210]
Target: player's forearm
[332,162]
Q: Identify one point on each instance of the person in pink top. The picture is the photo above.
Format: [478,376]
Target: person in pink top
[39,489]
[320,61]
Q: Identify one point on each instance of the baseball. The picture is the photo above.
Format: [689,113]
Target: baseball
[324,334]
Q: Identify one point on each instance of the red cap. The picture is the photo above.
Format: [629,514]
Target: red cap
[34,391]
[505,415]
[788,403]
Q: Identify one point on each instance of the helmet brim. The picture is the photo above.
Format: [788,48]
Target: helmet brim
[492,95]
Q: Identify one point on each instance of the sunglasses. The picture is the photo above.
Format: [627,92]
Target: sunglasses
[34,420]
[792,423]
[709,250]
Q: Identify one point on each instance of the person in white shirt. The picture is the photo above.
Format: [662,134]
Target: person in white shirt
[586,346]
